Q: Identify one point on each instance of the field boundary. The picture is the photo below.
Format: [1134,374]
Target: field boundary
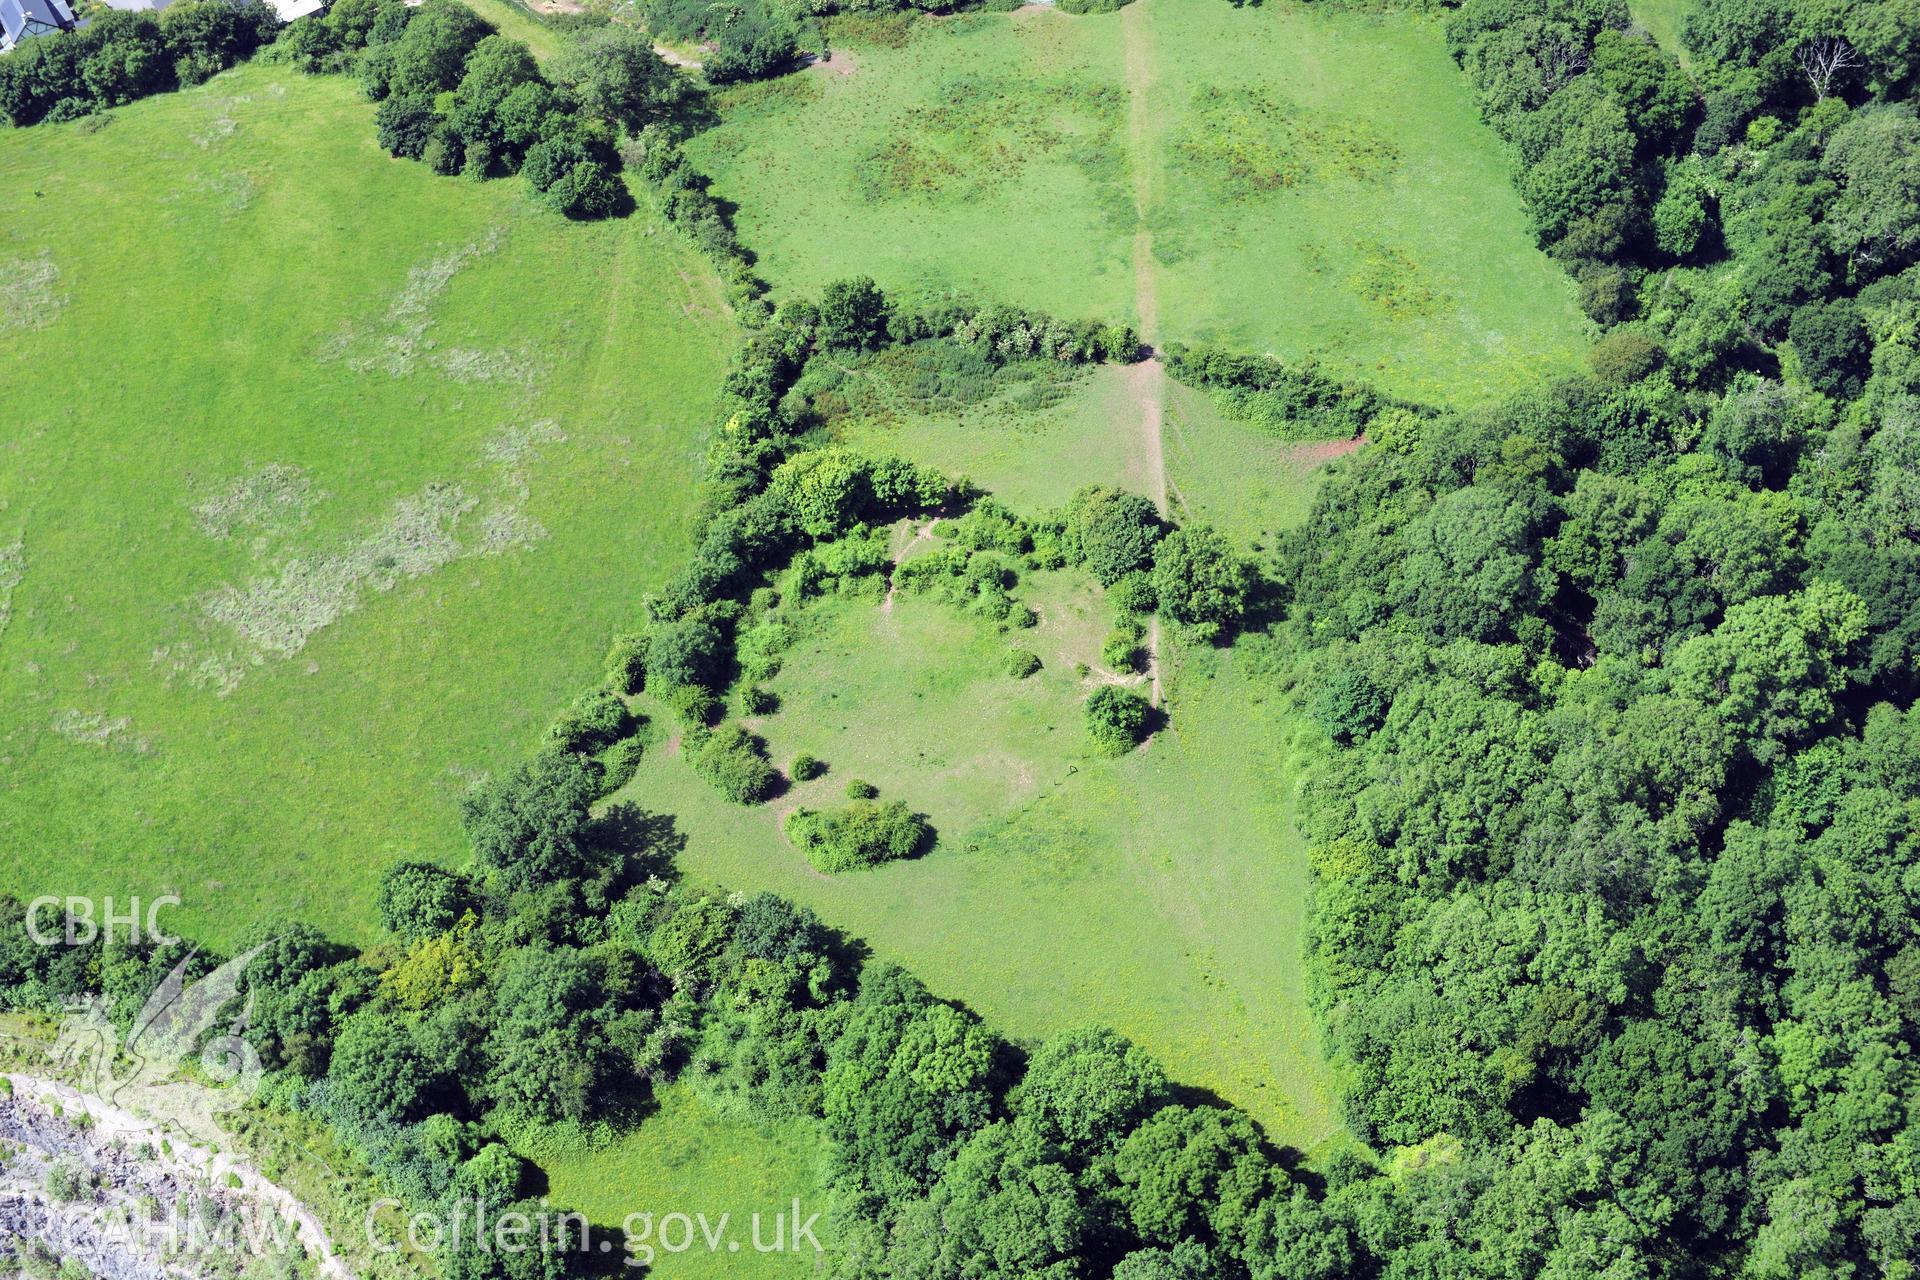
[1147,380]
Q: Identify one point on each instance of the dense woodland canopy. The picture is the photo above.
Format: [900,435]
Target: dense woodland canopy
[1616,909]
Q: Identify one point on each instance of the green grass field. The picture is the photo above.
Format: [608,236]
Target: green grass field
[1231,474]
[1663,19]
[1161,894]
[517,22]
[691,1157]
[1311,182]
[326,481]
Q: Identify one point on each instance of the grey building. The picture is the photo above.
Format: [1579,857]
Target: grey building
[22,18]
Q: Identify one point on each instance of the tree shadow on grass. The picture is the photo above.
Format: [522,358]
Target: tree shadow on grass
[651,843]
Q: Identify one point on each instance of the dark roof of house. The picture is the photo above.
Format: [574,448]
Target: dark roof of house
[22,18]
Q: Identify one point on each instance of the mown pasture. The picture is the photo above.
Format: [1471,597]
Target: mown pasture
[693,1158]
[324,483]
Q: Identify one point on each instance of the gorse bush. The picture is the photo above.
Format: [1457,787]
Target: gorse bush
[1111,532]
[1117,719]
[68,1180]
[734,761]
[530,826]
[687,652]
[1121,650]
[619,763]
[862,833]
[1201,582]
[854,315]
[626,663]
[418,899]
[594,721]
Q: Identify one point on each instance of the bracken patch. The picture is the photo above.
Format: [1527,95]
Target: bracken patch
[1392,281]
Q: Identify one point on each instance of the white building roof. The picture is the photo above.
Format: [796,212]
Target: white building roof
[287,9]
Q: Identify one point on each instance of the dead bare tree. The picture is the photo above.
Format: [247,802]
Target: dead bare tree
[1823,59]
[1560,61]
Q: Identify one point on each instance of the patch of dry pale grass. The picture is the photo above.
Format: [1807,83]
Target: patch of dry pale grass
[97,729]
[30,296]
[276,613]
[275,499]
[401,341]
[13,571]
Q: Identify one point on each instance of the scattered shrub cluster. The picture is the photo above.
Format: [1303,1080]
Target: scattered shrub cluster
[1121,651]
[733,760]
[119,56]
[1190,574]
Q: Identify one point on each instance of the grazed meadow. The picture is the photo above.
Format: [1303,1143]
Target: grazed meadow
[1315,182]
[362,470]
[338,535]
[327,481]
[1162,894]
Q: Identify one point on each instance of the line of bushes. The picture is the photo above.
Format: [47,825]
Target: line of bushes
[120,57]
[1298,401]
[684,200]
[461,98]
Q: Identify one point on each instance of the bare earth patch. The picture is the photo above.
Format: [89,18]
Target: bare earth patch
[1146,381]
[839,63]
[1320,452]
